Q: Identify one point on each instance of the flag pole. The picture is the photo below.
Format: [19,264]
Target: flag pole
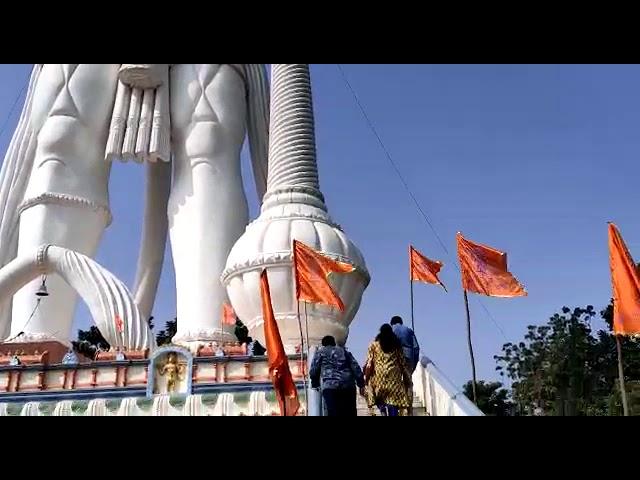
[303,362]
[473,362]
[623,390]
[413,327]
[306,324]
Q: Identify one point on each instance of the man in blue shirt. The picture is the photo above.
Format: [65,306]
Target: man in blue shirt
[409,342]
[336,371]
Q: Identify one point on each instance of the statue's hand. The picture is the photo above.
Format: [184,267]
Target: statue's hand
[143,75]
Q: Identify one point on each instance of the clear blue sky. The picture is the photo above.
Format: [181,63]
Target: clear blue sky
[531,159]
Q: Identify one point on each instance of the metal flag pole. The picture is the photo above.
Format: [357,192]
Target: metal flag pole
[623,390]
[473,362]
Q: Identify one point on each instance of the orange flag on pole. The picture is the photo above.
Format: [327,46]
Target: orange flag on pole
[283,383]
[422,269]
[626,286]
[484,271]
[228,315]
[312,271]
[119,324]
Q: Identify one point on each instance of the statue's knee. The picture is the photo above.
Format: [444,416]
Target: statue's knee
[60,139]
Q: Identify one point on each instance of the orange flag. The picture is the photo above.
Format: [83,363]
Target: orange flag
[283,383]
[312,271]
[119,324]
[626,286]
[228,315]
[422,269]
[484,271]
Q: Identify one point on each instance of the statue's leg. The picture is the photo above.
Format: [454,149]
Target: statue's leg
[67,200]
[207,208]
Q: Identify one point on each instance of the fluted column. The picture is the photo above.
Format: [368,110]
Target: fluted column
[293,209]
[293,168]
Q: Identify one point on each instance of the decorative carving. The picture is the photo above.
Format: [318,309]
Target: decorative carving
[294,194]
[41,259]
[208,350]
[234,349]
[20,358]
[35,338]
[203,335]
[282,258]
[67,201]
[136,354]
[143,75]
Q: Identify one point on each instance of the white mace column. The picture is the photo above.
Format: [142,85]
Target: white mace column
[293,209]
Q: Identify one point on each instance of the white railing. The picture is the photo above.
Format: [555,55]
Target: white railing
[438,395]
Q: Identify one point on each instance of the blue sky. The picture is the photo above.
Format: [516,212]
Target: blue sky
[531,159]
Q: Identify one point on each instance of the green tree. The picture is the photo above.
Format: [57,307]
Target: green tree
[553,370]
[607,357]
[164,336]
[89,342]
[493,400]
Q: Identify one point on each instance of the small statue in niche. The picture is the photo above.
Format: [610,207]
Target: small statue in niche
[173,371]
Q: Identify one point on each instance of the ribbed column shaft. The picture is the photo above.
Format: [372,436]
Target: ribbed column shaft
[292,145]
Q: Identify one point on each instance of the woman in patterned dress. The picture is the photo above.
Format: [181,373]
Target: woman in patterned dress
[387,375]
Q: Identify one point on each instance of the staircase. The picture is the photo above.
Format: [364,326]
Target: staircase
[434,395]
[364,411]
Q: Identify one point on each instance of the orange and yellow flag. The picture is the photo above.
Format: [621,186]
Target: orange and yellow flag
[626,286]
[423,269]
[279,371]
[484,271]
[311,270]
[228,315]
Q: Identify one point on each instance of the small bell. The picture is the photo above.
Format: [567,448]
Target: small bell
[42,291]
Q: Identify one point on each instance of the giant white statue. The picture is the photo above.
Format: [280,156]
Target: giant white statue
[54,181]
[188,123]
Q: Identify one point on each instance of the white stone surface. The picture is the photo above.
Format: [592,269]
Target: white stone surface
[104,294]
[128,408]
[208,208]
[225,406]
[97,408]
[193,406]
[162,407]
[258,405]
[293,208]
[438,395]
[63,409]
[30,409]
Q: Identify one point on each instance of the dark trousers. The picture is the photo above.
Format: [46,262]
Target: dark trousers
[340,402]
[389,411]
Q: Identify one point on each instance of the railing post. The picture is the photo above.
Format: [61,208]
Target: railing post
[314,397]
